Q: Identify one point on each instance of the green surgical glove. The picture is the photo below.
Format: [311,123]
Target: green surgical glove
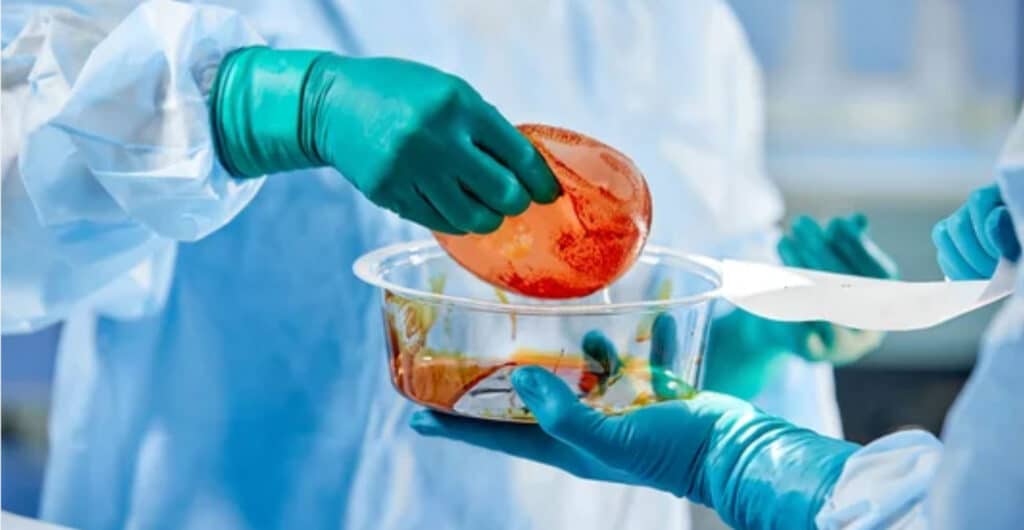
[746,351]
[411,138]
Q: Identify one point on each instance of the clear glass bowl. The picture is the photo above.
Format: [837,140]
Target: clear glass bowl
[453,339]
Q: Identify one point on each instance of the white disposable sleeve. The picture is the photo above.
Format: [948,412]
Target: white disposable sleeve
[108,156]
[884,485]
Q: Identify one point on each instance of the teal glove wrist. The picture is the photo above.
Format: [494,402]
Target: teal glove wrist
[763,472]
[256,104]
[411,138]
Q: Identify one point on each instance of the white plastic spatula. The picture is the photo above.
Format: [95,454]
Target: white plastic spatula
[792,294]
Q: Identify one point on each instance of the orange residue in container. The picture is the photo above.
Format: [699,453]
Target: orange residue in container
[576,245]
[439,379]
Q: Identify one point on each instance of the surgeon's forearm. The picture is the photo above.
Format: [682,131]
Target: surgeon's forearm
[779,475]
[258,102]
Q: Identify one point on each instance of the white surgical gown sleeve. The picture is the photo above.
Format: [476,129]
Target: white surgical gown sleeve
[884,484]
[108,157]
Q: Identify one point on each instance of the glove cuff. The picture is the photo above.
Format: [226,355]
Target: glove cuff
[779,475]
[256,111]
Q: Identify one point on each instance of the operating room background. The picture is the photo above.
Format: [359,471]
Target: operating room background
[897,108]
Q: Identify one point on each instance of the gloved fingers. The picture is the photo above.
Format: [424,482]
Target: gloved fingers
[813,247]
[664,340]
[523,441]
[1000,231]
[458,207]
[563,416]
[858,221]
[967,240]
[414,206]
[980,204]
[621,443]
[664,348]
[951,262]
[527,441]
[491,182]
[502,141]
[861,255]
[824,332]
[789,254]
[600,355]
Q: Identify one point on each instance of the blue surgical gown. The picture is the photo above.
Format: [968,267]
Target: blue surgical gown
[220,365]
[974,478]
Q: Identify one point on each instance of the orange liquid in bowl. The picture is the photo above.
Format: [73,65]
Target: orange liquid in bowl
[578,244]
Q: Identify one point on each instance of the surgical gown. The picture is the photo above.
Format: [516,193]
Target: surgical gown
[974,478]
[220,366]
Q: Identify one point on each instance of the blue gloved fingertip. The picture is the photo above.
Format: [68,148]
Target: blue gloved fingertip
[664,325]
[425,422]
[802,223]
[525,379]
[541,389]
[859,221]
[940,237]
[597,344]
[1000,230]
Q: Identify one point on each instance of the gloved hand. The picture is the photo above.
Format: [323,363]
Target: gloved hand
[603,362]
[755,470]
[971,241]
[746,351]
[413,139]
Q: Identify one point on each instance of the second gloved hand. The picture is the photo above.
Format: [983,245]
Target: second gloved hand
[746,350]
[755,470]
[844,247]
[411,138]
[971,241]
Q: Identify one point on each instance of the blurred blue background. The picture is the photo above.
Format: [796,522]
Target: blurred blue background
[897,108]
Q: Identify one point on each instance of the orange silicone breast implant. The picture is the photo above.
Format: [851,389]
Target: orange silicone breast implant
[576,245]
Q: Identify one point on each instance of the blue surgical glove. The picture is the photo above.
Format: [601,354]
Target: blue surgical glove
[746,351]
[971,241]
[755,470]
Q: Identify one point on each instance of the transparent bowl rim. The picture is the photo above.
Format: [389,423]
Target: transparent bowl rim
[369,268]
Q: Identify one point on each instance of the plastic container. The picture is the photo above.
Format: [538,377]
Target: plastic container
[453,340]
